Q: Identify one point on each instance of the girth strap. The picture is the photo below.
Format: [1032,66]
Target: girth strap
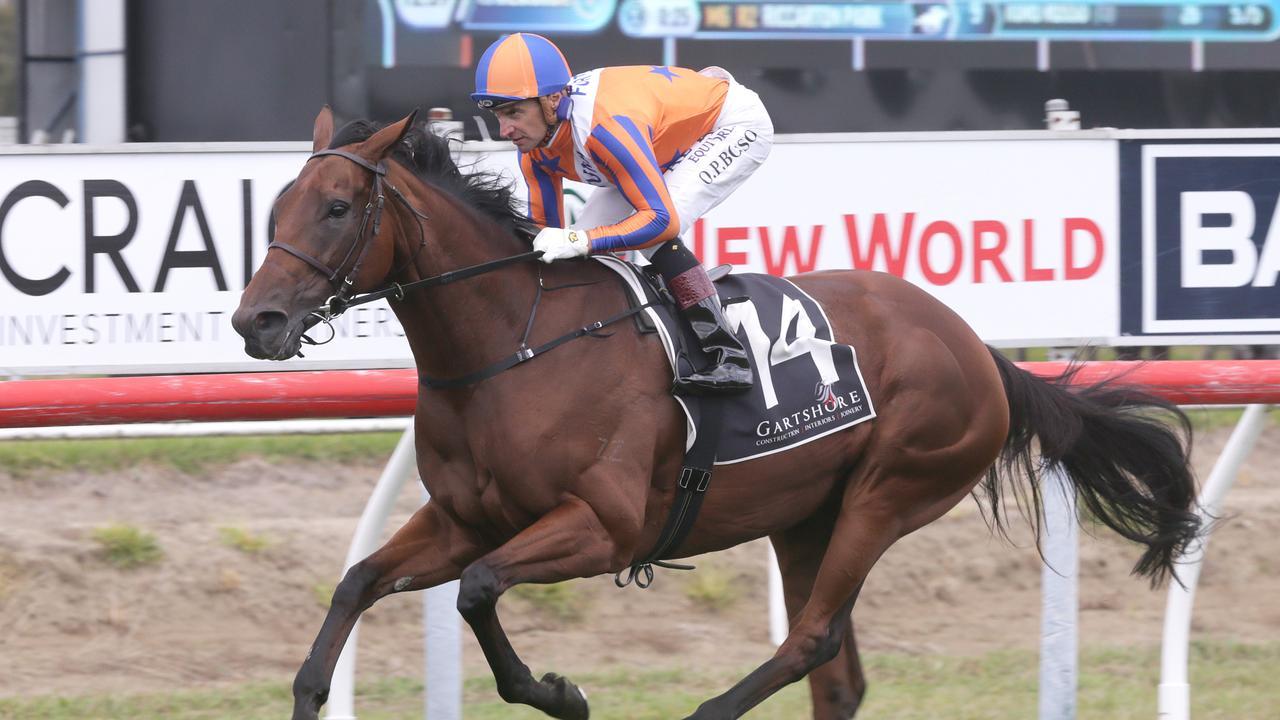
[691,488]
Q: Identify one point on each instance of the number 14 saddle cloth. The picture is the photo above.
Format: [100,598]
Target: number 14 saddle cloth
[807,384]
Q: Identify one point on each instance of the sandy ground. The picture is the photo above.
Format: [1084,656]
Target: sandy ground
[209,614]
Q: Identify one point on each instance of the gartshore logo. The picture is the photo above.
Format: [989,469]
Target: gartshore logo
[1210,240]
[828,408]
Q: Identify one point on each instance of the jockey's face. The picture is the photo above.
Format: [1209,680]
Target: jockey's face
[522,123]
[526,123]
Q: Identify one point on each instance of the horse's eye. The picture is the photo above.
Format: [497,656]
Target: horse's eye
[338,209]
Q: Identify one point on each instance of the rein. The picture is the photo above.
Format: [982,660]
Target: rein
[334,307]
[345,297]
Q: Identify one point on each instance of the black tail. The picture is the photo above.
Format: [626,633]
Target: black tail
[1130,470]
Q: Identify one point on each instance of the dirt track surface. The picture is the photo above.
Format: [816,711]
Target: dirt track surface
[209,614]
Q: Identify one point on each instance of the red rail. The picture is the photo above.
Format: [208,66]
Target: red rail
[171,398]
[1185,382]
[390,393]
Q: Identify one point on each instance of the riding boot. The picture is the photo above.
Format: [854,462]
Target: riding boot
[695,296]
[730,370]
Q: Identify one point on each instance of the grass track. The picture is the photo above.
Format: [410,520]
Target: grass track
[1229,682]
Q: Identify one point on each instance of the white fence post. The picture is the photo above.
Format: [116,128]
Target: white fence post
[1059,656]
[1173,700]
[779,625]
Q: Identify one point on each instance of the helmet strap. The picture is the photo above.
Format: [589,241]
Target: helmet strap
[551,114]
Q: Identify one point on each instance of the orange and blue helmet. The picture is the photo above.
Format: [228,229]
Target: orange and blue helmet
[518,67]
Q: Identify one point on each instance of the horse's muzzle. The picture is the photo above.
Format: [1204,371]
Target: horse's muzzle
[267,334]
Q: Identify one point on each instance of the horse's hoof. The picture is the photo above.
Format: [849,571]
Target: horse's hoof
[570,699]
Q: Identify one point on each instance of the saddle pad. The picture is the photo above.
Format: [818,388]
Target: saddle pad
[807,384]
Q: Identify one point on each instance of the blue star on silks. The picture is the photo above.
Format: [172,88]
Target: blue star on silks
[672,162]
[549,165]
[664,71]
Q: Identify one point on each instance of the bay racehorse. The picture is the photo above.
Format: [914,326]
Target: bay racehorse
[565,466]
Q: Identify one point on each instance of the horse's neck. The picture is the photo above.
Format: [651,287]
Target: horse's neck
[460,327]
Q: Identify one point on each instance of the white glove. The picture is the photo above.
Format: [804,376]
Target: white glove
[561,243]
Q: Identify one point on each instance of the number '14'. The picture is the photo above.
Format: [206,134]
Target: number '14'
[765,355]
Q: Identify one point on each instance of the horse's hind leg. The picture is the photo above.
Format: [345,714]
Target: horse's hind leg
[889,499]
[568,542]
[869,522]
[413,559]
[837,687]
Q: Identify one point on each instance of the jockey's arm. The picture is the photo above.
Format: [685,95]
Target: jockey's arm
[546,196]
[624,152]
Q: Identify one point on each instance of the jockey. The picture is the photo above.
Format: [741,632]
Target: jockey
[664,144]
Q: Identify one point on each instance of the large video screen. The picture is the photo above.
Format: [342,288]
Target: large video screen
[1134,20]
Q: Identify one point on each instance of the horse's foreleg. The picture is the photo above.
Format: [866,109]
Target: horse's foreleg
[836,687]
[817,631]
[568,542]
[413,559]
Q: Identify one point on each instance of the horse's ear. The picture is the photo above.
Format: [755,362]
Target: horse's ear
[376,147]
[322,131]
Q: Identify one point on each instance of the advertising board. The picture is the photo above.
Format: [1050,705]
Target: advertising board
[1016,234]
[131,259]
[1201,244]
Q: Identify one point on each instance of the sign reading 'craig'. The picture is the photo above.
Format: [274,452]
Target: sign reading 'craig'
[133,261]
[1202,240]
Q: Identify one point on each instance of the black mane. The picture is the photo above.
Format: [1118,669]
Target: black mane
[429,156]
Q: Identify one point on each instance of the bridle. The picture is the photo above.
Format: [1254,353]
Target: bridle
[345,296]
[344,289]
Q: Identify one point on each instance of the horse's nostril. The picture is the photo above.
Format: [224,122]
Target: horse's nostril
[269,321]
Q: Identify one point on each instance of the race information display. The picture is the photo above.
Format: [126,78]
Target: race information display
[974,20]
[799,19]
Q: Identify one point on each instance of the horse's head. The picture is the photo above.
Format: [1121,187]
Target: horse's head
[331,240]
